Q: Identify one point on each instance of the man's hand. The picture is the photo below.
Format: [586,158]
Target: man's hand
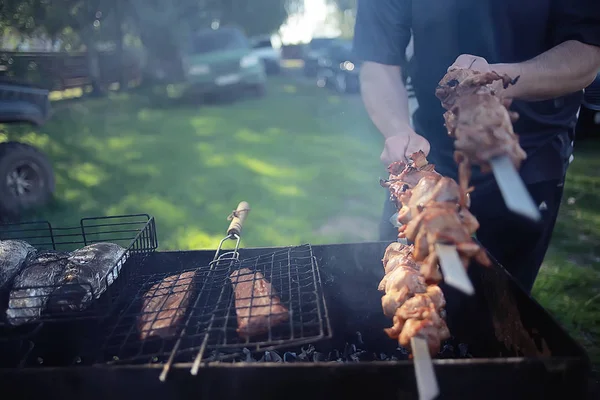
[480,64]
[400,147]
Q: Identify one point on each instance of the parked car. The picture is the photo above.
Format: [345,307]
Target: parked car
[588,123]
[338,68]
[313,51]
[267,53]
[222,60]
[26,175]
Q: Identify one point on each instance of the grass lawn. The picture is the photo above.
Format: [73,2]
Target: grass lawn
[302,157]
[307,162]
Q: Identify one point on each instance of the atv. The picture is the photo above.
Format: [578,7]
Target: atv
[26,175]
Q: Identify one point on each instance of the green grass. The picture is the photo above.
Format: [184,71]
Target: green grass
[569,282]
[307,162]
[302,157]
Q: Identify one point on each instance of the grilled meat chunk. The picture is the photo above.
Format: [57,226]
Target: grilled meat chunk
[257,305]
[398,254]
[400,285]
[34,284]
[432,328]
[440,223]
[462,82]
[483,130]
[86,277]
[419,307]
[164,306]
[13,254]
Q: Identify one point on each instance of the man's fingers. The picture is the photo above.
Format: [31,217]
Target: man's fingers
[469,61]
[462,61]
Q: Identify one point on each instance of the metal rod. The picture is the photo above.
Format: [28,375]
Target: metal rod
[515,194]
[426,381]
[453,268]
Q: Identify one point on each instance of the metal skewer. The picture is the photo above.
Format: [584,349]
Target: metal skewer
[515,194]
[426,380]
[453,269]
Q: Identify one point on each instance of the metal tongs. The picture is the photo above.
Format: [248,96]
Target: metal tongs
[234,232]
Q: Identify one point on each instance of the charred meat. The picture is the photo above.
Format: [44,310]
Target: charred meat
[88,274]
[13,254]
[164,306]
[34,284]
[257,306]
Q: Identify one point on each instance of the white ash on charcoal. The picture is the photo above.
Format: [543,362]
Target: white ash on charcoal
[352,352]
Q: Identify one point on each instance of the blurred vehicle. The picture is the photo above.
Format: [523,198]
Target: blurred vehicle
[315,49]
[222,60]
[588,123]
[267,53]
[26,175]
[338,68]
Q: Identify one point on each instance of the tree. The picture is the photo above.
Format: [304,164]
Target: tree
[344,16]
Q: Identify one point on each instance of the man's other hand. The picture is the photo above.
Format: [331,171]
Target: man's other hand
[479,64]
[400,147]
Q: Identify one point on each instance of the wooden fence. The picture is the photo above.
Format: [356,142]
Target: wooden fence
[60,71]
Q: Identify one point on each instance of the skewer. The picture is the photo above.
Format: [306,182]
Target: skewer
[515,194]
[453,269]
[426,381]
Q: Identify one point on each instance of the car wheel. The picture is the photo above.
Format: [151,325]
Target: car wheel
[341,83]
[321,79]
[259,90]
[26,178]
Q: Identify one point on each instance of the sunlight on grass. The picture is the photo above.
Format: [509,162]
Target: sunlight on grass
[262,167]
[290,88]
[65,94]
[246,135]
[88,174]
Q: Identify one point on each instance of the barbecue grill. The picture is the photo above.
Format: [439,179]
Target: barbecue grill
[504,345]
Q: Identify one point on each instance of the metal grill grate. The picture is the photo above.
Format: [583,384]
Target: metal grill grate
[135,233]
[202,312]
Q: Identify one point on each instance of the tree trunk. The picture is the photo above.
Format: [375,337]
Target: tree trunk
[123,81]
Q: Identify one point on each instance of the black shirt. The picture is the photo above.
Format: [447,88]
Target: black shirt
[501,31]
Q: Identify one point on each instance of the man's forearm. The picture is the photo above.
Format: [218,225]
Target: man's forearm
[385,98]
[564,69]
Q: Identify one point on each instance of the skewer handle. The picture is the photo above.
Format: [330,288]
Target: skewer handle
[426,381]
[237,219]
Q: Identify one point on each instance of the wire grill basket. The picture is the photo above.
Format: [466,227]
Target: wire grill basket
[136,234]
[195,317]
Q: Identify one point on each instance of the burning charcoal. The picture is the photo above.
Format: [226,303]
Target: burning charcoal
[289,357]
[402,350]
[275,357]
[334,355]
[359,338]
[366,356]
[356,356]
[319,357]
[248,355]
[447,351]
[463,349]
[349,350]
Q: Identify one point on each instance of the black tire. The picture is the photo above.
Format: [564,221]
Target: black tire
[340,83]
[31,167]
[259,90]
